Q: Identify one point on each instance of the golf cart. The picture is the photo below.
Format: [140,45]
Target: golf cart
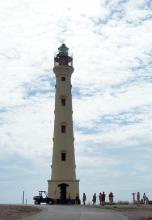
[43,198]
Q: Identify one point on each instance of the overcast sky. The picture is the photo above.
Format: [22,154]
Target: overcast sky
[111,42]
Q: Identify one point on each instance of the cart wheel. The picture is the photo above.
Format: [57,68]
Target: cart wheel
[50,202]
[37,203]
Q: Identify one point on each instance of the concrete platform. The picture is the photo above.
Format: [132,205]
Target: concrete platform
[59,212]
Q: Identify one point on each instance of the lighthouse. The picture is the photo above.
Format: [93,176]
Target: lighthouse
[63,186]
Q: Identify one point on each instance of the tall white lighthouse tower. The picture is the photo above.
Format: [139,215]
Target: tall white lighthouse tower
[63,186]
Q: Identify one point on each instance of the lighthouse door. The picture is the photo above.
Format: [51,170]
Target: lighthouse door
[63,193]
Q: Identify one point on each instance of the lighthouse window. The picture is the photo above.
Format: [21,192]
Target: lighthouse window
[63,156]
[63,101]
[63,128]
[63,78]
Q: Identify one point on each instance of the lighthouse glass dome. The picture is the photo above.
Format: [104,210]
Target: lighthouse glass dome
[63,49]
[62,57]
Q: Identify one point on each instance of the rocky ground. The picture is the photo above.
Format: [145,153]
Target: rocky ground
[133,212]
[16,212]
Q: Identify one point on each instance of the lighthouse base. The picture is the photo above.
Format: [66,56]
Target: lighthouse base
[64,192]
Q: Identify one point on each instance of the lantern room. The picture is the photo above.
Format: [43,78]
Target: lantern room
[62,58]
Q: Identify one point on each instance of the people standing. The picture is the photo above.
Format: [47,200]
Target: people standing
[84,198]
[94,199]
[100,198]
[110,198]
[69,199]
[77,200]
[133,197]
[103,198]
[138,197]
[145,199]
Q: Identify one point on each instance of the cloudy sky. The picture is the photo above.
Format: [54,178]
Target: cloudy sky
[111,42]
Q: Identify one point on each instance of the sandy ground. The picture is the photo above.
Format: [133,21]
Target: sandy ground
[133,212]
[16,212]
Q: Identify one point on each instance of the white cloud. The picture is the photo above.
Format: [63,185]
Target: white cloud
[111,42]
